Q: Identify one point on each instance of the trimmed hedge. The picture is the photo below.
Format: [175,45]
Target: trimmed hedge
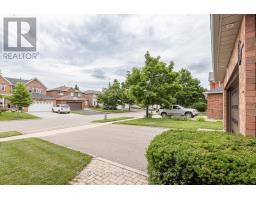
[183,157]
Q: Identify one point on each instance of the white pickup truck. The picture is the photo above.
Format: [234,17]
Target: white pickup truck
[177,110]
[61,108]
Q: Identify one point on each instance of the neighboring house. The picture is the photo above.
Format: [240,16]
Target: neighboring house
[91,98]
[41,102]
[214,99]
[68,95]
[234,64]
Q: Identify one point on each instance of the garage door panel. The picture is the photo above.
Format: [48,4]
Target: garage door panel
[75,105]
[41,106]
[234,107]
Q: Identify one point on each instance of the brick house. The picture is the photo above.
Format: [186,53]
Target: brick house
[91,97]
[234,64]
[68,95]
[214,99]
[41,102]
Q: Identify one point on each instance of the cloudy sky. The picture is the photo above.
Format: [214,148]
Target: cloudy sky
[92,50]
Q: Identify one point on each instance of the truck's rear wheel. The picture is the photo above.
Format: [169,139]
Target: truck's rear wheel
[188,115]
[164,115]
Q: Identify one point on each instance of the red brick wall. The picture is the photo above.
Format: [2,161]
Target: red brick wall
[247,78]
[8,88]
[215,106]
[250,75]
[36,84]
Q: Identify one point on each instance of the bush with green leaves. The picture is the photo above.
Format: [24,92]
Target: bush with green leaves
[187,157]
[200,106]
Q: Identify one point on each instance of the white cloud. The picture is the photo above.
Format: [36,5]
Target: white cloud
[92,50]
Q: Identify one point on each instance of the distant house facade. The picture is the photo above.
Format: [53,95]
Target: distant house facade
[41,102]
[91,98]
[68,95]
[214,99]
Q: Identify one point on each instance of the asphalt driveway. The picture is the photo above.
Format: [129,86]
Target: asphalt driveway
[120,143]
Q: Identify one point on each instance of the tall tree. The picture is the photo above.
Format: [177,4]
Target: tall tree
[76,87]
[111,96]
[153,84]
[20,96]
[126,98]
[190,92]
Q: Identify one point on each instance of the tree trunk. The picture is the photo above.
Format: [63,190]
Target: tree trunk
[147,114]
[129,107]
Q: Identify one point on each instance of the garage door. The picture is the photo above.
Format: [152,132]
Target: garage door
[41,106]
[234,103]
[75,105]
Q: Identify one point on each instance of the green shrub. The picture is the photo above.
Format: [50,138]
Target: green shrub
[200,119]
[200,106]
[183,157]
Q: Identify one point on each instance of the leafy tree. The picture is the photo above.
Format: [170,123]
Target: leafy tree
[190,92]
[20,96]
[111,96]
[76,87]
[153,84]
[126,98]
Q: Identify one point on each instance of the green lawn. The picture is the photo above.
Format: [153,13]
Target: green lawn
[9,134]
[109,111]
[6,116]
[112,119]
[35,162]
[171,123]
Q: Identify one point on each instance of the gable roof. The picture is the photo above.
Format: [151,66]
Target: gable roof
[92,92]
[61,88]
[14,81]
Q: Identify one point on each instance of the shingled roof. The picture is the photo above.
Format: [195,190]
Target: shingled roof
[14,81]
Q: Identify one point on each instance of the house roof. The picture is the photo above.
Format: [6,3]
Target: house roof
[211,77]
[70,98]
[215,91]
[61,88]
[40,96]
[92,92]
[14,81]
[224,31]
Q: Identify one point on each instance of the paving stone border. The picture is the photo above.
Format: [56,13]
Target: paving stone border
[104,172]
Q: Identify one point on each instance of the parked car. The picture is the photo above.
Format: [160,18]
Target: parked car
[177,110]
[13,109]
[61,108]
[135,107]
[107,107]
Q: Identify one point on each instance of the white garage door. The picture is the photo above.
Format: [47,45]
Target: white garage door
[41,106]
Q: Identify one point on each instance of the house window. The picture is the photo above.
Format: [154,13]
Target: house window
[79,94]
[71,94]
[61,93]
[3,87]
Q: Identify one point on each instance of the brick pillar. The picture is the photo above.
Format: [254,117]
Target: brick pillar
[250,75]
